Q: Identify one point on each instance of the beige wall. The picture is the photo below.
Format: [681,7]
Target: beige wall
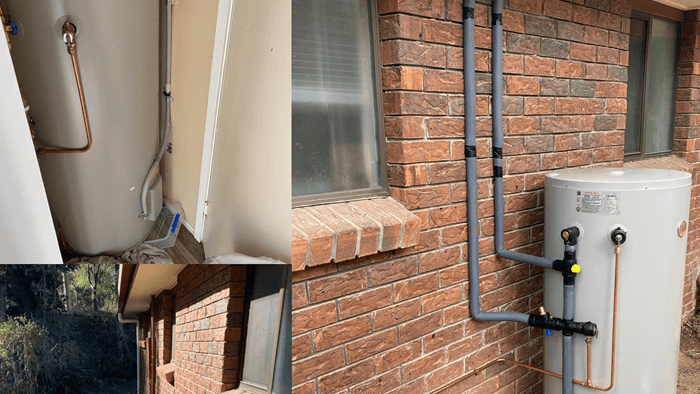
[194,25]
[250,196]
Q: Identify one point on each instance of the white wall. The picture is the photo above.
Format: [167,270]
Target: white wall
[250,193]
[26,228]
[194,25]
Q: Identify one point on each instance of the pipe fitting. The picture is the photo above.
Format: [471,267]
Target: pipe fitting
[618,236]
[68,35]
[567,327]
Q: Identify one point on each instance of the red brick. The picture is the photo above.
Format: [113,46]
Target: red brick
[317,365]
[346,377]
[569,69]
[558,9]
[539,105]
[582,52]
[397,356]
[337,285]
[414,287]
[419,327]
[342,332]
[400,26]
[442,32]
[364,302]
[402,78]
[526,86]
[404,127]
[393,271]
[444,81]
[396,314]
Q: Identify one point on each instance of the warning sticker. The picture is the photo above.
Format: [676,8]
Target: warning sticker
[598,202]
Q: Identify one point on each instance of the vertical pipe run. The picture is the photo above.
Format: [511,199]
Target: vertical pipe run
[497,84]
[167,128]
[568,342]
[470,153]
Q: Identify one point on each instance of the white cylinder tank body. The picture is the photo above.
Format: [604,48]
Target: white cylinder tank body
[94,196]
[651,205]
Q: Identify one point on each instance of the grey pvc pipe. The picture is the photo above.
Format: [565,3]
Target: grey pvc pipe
[567,384]
[497,84]
[472,217]
[165,141]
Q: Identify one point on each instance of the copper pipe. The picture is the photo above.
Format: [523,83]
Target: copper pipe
[588,360]
[69,36]
[618,248]
[588,349]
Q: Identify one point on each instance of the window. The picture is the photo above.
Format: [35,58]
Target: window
[267,337]
[651,88]
[337,121]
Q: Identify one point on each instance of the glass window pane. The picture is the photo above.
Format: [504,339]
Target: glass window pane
[635,85]
[661,86]
[335,123]
[263,323]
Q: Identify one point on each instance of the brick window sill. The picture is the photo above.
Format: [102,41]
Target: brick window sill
[343,231]
[167,372]
[670,162]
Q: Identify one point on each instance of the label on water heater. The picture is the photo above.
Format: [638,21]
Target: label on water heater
[598,202]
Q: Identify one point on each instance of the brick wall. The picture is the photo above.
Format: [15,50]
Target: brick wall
[398,321]
[687,142]
[209,311]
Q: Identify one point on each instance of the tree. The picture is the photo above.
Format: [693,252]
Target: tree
[31,287]
[94,286]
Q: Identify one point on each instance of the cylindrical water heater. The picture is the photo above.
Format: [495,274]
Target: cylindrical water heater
[94,196]
[652,206]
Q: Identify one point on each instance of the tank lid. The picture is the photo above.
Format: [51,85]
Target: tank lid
[618,178]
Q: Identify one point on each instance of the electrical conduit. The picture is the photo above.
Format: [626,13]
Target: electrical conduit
[165,140]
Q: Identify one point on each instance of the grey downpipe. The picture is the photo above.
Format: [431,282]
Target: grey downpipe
[165,141]
[122,320]
[470,151]
[497,84]
[567,371]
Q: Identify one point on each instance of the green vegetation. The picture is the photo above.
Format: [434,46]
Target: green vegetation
[59,332]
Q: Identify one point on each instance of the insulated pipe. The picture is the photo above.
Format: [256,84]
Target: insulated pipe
[470,151]
[497,91]
[165,141]
[567,369]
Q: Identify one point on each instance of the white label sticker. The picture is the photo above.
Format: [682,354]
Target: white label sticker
[598,202]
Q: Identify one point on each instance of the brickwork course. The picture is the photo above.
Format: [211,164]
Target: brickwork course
[398,321]
[209,310]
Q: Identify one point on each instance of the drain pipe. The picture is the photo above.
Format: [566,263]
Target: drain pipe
[470,151]
[123,320]
[165,141]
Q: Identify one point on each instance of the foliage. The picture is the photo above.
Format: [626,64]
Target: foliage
[21,343]
[65,353]
[31,287]
[95,287]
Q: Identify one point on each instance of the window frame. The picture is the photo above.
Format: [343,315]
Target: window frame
[282,293]
[383,189]
[641,154]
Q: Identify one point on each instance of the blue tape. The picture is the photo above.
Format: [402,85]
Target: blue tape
[177,219]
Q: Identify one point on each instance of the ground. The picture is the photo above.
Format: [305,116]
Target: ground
[114,386]
[689,358]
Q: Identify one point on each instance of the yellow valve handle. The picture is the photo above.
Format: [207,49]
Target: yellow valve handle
[575,268]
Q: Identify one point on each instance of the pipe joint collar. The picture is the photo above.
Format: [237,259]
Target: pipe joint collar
[467,12]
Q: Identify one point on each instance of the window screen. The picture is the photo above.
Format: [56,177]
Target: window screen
[262,332]
[651,88]
[336,125]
